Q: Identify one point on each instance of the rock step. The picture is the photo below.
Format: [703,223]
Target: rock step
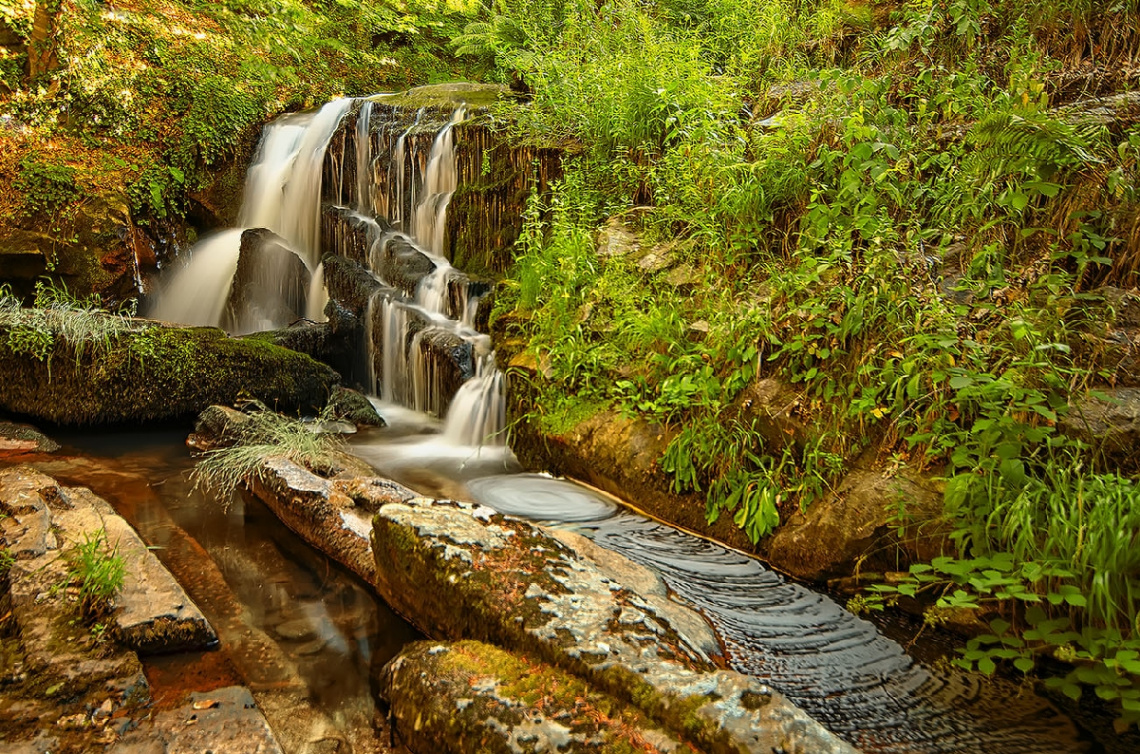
[152,612]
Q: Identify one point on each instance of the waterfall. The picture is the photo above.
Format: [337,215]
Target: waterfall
[197,293]
[420,315]
[440,181]
[282,194]
[364,159]
[478,411]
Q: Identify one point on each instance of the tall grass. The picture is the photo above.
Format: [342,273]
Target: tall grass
[266,433]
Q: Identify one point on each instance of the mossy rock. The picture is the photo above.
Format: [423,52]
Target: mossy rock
[449,95]
[462,572]
[158,373]
[469,696]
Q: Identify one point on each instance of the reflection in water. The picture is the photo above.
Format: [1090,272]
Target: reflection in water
[301,632]
[835,666]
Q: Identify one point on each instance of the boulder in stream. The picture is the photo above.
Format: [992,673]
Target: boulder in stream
[858,522]
[155,373]
[460,571]
[455,698]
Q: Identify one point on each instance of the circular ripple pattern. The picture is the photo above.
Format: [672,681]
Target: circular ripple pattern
[541,498]
[834,665]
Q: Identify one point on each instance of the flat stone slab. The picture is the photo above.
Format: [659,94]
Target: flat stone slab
[16,439]
[152,612]
[462,571]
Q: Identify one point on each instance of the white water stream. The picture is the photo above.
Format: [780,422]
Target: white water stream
[283,194]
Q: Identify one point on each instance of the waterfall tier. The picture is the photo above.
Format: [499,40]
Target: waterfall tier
[356,202]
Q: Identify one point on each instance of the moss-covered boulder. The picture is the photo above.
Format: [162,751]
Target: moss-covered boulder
[467,572]
[16,439]
[469,696]
[155,373]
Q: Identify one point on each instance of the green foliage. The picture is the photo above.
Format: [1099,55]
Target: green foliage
[912,244]
[45,187]
[171,91]
[264,434]
[59,319]
[96,568]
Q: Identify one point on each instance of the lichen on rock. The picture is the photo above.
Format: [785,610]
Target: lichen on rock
[462,571]
[470,696]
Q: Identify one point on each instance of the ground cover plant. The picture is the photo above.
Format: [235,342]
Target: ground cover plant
[918,215]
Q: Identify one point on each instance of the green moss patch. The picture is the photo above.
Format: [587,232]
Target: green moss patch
[156,373]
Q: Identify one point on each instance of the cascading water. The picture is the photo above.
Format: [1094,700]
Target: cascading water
[282,194]
[440,181]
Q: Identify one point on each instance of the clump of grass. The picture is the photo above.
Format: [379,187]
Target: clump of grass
[58,317]
[266,433]
[98,569]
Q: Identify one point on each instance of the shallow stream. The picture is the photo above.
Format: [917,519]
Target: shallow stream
[304,634]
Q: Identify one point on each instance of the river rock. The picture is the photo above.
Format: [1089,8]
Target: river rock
[354,407]
[468,696]
[1110,423]
[325,513]
[152,612]
[270,285]
[222,721]
[16,439]
[158,373]
[59,649]
[460,571]
[857,523]
[349,284]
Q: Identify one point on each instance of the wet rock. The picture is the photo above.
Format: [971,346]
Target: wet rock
[16,439]
[857,523]
[159,373]
[222,721]
[466,572]
[331,342]
[218,427]
[270,285]
[349,284]
[448,96]
[620,455]
[354,407]
[296,630]
[59,648]
[349,233]
[469,696]
[1110,424]
[152,612]
[403,265]
[319,511]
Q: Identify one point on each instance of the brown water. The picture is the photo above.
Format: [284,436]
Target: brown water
[301,632]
